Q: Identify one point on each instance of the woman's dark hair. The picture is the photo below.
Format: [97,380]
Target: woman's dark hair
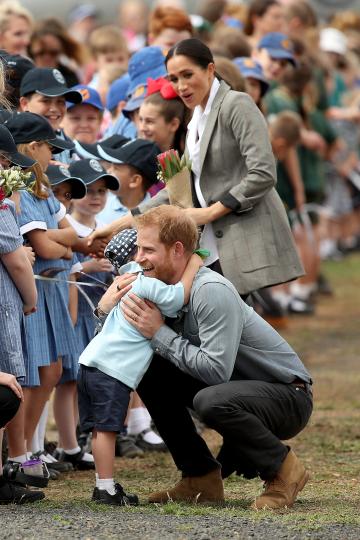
[257,8]
[194,49]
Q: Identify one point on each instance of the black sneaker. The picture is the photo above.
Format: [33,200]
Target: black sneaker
[101,496]
[77,461]
[125,447]
[13,493]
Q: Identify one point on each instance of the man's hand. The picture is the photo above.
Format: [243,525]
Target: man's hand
[143,315]
[119,287]
[125,222]
[97,265]
[98,247]
[10,380]
[103,233]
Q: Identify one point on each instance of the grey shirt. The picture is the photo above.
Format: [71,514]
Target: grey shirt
[218,337]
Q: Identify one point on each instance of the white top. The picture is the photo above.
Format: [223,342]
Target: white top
[196,128]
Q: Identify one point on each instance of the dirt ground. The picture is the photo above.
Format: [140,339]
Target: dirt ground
[329,345]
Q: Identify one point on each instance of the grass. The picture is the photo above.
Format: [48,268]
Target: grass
[329,344]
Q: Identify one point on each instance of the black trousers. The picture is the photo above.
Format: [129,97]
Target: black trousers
[252,417]
[9,404]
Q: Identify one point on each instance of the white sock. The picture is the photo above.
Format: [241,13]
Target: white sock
[28,455]
[73,451]
[45,458]
[137,421]
[107,484]
[88,457]
[282,297]
[52,459]
[35,445]
[96,480]
[152,437]
[300,290]
[18,459]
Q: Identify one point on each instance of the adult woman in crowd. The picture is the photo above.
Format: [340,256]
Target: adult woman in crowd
[168,25]
[245,225]
[15,27]
[263,16]
[52,47]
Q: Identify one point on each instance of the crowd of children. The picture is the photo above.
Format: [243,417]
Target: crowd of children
[87,113]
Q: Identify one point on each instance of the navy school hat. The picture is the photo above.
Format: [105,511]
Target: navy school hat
[26,127]
[249,68]
[8,147]
[121,247]
[278,45]
[16,67]
[139,153]
[48,82]
[90,151]
[90,170]
[57,174]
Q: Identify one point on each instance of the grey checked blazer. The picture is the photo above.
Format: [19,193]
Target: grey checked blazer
[254,241]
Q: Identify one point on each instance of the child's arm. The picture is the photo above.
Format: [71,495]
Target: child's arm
[73,299]
[192,268]
[65,234]
[98,246]
[20,270]
[45,247]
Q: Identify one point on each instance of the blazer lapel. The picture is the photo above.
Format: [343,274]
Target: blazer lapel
[211,121]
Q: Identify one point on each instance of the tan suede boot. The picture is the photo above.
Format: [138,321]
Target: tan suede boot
[282,490]
[194,489]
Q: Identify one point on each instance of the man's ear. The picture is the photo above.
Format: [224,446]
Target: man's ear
[24,102]
[136,181]
[179,249]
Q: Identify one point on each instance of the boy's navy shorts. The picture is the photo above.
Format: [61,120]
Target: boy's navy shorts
[103,400]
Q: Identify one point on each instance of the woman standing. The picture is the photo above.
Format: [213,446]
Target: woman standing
[245,224]
[15,27]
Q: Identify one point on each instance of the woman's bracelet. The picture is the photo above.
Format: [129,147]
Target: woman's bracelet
[100,313]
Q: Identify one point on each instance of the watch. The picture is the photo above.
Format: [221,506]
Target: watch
[99,313]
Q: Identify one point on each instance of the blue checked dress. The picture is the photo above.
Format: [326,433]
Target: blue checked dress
[85,325]
[49,331]
[12,329]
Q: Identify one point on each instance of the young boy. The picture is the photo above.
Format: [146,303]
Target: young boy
[274,53]
[43,91]
[135,165]
[82,121]
[116,359]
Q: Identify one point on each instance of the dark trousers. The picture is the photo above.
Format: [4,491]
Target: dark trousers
[9,404]
[252,417]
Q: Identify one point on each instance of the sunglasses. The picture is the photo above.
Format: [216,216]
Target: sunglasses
[47,52]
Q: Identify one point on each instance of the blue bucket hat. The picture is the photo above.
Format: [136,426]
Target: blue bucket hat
[118,91]
[148,62]
[278,45]
[90,96]
[136,99]
[249,68]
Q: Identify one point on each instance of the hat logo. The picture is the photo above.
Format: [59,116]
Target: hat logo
[95,165]
[58,76]
[64,171]
[138,92]
[285,43]
[248,62]
[85,93]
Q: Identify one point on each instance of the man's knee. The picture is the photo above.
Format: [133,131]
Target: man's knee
[207,404]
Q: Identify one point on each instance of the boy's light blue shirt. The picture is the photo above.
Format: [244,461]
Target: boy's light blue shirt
[120,350]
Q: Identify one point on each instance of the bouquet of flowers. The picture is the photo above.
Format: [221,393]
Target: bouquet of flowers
[175,173]
[11,180]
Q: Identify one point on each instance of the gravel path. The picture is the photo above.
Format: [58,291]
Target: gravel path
[32,522]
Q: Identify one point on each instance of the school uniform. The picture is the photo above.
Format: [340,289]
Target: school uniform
[49,331]
[12,330]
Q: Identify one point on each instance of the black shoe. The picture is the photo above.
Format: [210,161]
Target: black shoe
[323,286]
[125,447]
[77,461]
[14,473]
[298,306]
[149,447]
[11,492]
[101,496]
[57,466]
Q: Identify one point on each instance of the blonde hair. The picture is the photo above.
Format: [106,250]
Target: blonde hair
[107,39]
[174,226]
[41,180]
[10,9]
[286,125]
[3,101]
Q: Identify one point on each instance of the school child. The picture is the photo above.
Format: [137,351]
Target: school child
[135,165]
[113,364]
[9,156]
[43,91]
[82,121]
[115,102]
[49,331]
[275,54]
[67,188]
[255,83]
[18,298]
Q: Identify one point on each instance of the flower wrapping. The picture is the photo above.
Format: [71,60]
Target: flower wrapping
[14,179]
[175,173]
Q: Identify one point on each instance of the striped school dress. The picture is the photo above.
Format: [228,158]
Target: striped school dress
[12,329]
[49,331]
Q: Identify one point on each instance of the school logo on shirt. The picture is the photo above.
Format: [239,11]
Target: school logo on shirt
[58,76]
[64,171]
[95,165]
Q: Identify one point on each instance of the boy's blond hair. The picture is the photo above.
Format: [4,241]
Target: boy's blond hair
[285,125]
[107,39]
[174,226]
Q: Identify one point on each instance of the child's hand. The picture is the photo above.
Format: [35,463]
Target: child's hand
[6,379]
[68,255]
[30,253]
[28,309]
[196,260]
[97,265]
[119,287]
